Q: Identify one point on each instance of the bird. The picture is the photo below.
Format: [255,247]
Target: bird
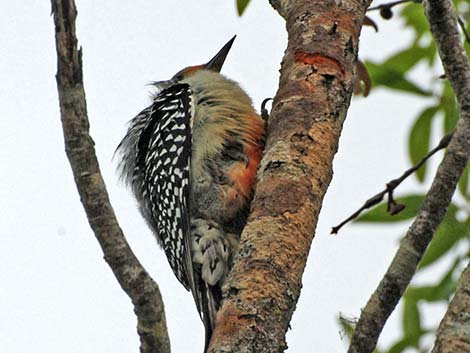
[190,159]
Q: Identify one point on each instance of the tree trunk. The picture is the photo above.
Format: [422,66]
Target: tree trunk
[316,83]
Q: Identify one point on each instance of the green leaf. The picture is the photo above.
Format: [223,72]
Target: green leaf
[431,53]
[392,78]
[420,135]
[439,292]
[447,235]
[450,108]
[445,289]
[427,293]
[414,18]
[379,213]
[241,6]
[402,344]
[347,326]
[411,320]
[347,329]
[447,285]
[464,183]
[451,116]
[406,59]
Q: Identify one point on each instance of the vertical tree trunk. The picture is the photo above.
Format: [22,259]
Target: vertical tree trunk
[316,83]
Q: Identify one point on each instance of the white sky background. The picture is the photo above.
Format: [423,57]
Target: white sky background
[56,292]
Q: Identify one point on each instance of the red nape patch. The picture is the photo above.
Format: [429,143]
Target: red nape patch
[318,60]
[192,69]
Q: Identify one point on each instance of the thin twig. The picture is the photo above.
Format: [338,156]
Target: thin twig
[135,281]
[264,110]
[462,26]
[390,5]
[443,20]
[394,208]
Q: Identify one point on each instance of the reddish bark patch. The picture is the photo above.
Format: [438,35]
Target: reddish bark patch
[317,59]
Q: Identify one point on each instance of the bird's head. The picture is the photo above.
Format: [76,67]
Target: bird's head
[215,64]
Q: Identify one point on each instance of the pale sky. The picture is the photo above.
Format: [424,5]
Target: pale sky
[56,292]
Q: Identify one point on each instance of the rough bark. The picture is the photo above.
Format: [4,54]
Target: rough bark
[453,334]
[443,21]
[317,79]
[79,147]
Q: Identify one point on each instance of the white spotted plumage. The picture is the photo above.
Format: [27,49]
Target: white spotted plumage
[155,161]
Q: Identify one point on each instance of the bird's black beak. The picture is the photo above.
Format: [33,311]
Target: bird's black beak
[215,64]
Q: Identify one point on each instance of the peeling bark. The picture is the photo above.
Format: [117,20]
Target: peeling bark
[317,79]
[443,21]
[79,146]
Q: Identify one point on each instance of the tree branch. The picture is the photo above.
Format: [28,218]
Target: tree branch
[453,334]
[79,147]
[389,5]
[316,83]
[443,21]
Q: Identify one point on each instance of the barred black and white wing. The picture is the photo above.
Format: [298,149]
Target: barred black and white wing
[155,161]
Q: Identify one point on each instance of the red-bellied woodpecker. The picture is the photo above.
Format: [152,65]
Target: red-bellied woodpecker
[190,159]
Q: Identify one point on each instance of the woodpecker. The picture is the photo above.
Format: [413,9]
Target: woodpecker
[190,159]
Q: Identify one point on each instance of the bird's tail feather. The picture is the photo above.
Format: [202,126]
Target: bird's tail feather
[211,298]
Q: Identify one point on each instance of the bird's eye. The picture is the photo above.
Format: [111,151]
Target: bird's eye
[178,77]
